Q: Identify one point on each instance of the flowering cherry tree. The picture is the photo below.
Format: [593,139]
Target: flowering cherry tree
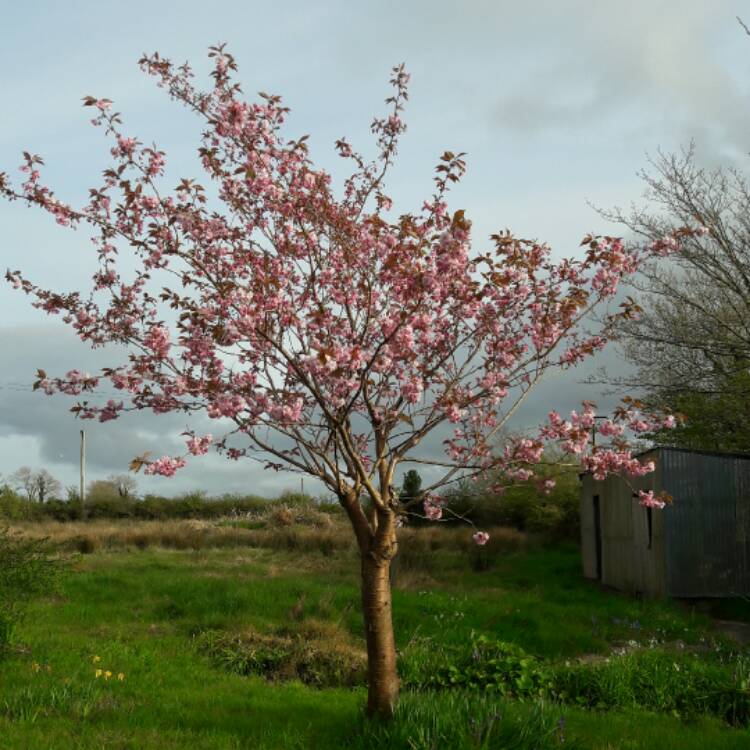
[334,335]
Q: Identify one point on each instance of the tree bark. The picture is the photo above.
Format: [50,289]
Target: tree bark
[382,676]
[377,544]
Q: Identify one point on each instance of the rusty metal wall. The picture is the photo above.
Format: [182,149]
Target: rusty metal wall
[708,526]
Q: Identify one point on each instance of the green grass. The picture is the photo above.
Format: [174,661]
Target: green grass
[139,612]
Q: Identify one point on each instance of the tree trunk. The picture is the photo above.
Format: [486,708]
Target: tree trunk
[382,676]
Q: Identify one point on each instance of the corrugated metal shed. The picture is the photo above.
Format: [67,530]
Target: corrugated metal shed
[696,547]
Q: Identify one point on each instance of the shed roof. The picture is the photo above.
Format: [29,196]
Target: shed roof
[722,454]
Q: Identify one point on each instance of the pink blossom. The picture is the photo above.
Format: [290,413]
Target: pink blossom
[226,406]
[199,446]
[453,413]
[608,428]
[411,390]
[156,163]
[125,146]
[432,511]
[665,246]
[165,466]
[157,340]
[481,538]
[110,410]
[647,500]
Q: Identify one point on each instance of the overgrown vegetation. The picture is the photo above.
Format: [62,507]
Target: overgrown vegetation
[659,678]
[554,513]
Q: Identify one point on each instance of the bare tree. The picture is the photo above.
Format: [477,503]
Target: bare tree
[125,484]
[45,485]
[691,344]
[21,481]
[38,485]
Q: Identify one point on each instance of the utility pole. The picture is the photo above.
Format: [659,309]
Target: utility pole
[83,474]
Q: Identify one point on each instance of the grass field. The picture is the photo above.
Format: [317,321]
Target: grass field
[141,614]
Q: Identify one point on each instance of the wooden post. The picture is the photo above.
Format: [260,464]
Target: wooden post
[83,474]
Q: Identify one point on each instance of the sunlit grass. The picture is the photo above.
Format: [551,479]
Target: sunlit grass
[138,611]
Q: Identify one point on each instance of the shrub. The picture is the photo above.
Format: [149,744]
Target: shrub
[524,507]
[26,570]
[13,507]
[61,510]
[484,663]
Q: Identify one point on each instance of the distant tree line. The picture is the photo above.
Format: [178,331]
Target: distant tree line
[40,486]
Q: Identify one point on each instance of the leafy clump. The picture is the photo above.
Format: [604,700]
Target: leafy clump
[315,653]
[680,684]
[485,663]
[26,570]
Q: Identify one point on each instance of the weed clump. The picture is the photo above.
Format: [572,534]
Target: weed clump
[316,653]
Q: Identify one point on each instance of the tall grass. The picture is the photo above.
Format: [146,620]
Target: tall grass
[308,530]
[465,721]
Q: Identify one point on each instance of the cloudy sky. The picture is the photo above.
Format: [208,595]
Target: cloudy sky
[556,102]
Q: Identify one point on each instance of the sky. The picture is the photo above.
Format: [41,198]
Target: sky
[557,104]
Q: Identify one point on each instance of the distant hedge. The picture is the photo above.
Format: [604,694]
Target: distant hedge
[554,515]
[196,505]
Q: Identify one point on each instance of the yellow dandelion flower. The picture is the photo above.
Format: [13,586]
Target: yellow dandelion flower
[35,666]
[96,659]
[107,675]
[121,676]
[98,673]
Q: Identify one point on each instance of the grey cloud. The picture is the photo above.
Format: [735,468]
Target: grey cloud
[645,63]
